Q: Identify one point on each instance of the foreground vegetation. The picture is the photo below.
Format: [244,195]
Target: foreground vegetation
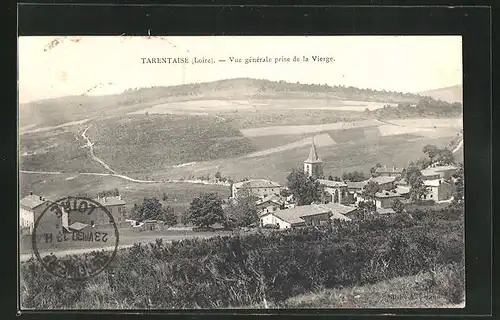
[261,268]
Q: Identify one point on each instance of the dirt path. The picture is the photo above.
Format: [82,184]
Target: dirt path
[460,144]
[113,173]
[92,154]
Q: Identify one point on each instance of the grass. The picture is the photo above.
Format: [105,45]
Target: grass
[56,150]
[147,143]
[127,238]
[444,288]
[56,186]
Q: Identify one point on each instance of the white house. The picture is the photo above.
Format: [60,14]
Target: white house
[337,189]
[270,203]
[439,172]
[257,187]
[384,182]
[438,190]
[30,207]
[299,216]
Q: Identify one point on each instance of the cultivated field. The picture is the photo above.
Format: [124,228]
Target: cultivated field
[205,107]
[321,140]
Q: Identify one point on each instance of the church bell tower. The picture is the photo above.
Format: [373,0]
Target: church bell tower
[313,166]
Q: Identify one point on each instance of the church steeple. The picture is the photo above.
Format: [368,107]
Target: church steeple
[313,166]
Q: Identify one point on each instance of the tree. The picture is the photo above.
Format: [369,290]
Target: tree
[305,189]
[398,206]
[370,189]
[366,206]
[445,157]
[354,176]
[348,199]
[458,195]
[152,209]
[218,176]
[423,163]
[205,210]
[431,151]
[109,193]
[241,213]
[285,193]
[416,181]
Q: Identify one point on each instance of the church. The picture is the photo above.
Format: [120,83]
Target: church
[313,167]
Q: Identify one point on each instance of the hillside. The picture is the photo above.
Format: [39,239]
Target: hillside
[57,111]
[449,94]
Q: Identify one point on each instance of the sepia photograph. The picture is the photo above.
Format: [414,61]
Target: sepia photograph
[240,172]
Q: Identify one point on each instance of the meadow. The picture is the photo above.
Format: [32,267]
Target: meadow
[57,186]
[267,269]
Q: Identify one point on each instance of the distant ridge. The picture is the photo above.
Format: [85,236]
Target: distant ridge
[449,94]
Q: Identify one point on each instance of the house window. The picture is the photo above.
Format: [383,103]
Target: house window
[119,209]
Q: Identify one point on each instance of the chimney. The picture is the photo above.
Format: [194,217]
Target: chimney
[104,199]
[394,167]
[40,197]
[119,197]
[31,193]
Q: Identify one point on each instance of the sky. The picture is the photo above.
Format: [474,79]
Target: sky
[50,67]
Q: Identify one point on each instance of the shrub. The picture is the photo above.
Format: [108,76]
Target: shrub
[256,268]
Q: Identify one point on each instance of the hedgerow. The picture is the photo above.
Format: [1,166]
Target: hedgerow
[255,269]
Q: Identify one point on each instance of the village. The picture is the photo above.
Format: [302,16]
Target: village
[386,192]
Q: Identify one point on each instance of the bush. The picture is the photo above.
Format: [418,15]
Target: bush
[270,226]
[243,270]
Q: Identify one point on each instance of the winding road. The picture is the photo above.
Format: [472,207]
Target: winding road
[113,173]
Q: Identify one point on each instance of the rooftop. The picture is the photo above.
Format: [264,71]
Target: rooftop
[383,179]
[293,215]
[111,201]
[386,169]
[403,189]
[330,183]
[78,226]
[388,194]
[434,183]
[431,171]
[313,155]
[256,183]
[357,185]
[338,208]
[32,201]
[271,198]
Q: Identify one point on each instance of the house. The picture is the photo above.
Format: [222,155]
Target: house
[385,198]
[257,187]
[356,188]
[439,172]
[115,206]
[438,190]
[388,172]
[30,208]
[337,189]
[385,182]
[340,211]
[270,203]
[313,165]
[300,216]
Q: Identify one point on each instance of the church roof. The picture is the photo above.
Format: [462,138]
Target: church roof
[313,155]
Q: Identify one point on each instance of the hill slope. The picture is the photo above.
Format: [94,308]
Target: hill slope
[57,111]
[449,94]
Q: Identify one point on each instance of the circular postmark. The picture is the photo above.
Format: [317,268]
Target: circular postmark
[75,238]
